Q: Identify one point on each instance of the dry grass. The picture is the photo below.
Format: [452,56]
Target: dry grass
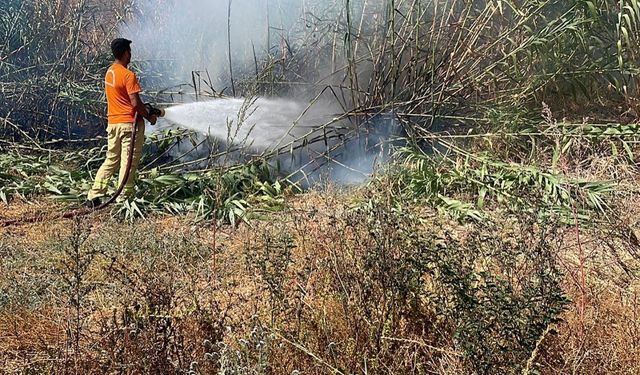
[163,295]
[603,336]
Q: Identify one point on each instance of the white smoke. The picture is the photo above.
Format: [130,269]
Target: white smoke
[177,37]
[182,36]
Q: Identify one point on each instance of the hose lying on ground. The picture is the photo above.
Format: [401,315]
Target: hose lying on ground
[86,211]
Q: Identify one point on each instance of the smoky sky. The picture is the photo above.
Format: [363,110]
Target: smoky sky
[177,37]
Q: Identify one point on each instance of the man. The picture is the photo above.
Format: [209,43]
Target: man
[123,103]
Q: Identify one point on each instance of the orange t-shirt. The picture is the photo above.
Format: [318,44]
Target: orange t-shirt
[119,83]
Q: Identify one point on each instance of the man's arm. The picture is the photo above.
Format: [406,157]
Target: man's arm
[141,109]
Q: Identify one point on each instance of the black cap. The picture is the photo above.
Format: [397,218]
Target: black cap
[119,46]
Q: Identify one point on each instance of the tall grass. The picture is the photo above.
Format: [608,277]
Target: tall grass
[53,54]
[462,77]
[480,76]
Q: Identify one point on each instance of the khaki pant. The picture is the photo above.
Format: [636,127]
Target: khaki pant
[119,139]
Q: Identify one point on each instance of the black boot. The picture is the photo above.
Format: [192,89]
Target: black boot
[93,203]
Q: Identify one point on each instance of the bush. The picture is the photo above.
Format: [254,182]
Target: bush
[399,293]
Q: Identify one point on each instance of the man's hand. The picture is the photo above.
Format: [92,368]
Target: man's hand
[138,104]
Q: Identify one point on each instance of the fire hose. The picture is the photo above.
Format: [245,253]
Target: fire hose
[86,211]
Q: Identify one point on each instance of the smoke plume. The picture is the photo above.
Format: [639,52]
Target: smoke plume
[220,37]
[181,36]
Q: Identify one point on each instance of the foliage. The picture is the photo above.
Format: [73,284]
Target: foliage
[479,179]
[24,175]
[480,69]
[417,285]
[504,293]
[224,194]
[387,286]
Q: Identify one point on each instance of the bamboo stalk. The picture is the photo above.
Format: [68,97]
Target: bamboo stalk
[233,85]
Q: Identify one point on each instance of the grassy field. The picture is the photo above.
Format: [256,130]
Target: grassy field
[336,282]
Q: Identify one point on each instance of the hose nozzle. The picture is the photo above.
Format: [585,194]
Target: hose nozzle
[153,111]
